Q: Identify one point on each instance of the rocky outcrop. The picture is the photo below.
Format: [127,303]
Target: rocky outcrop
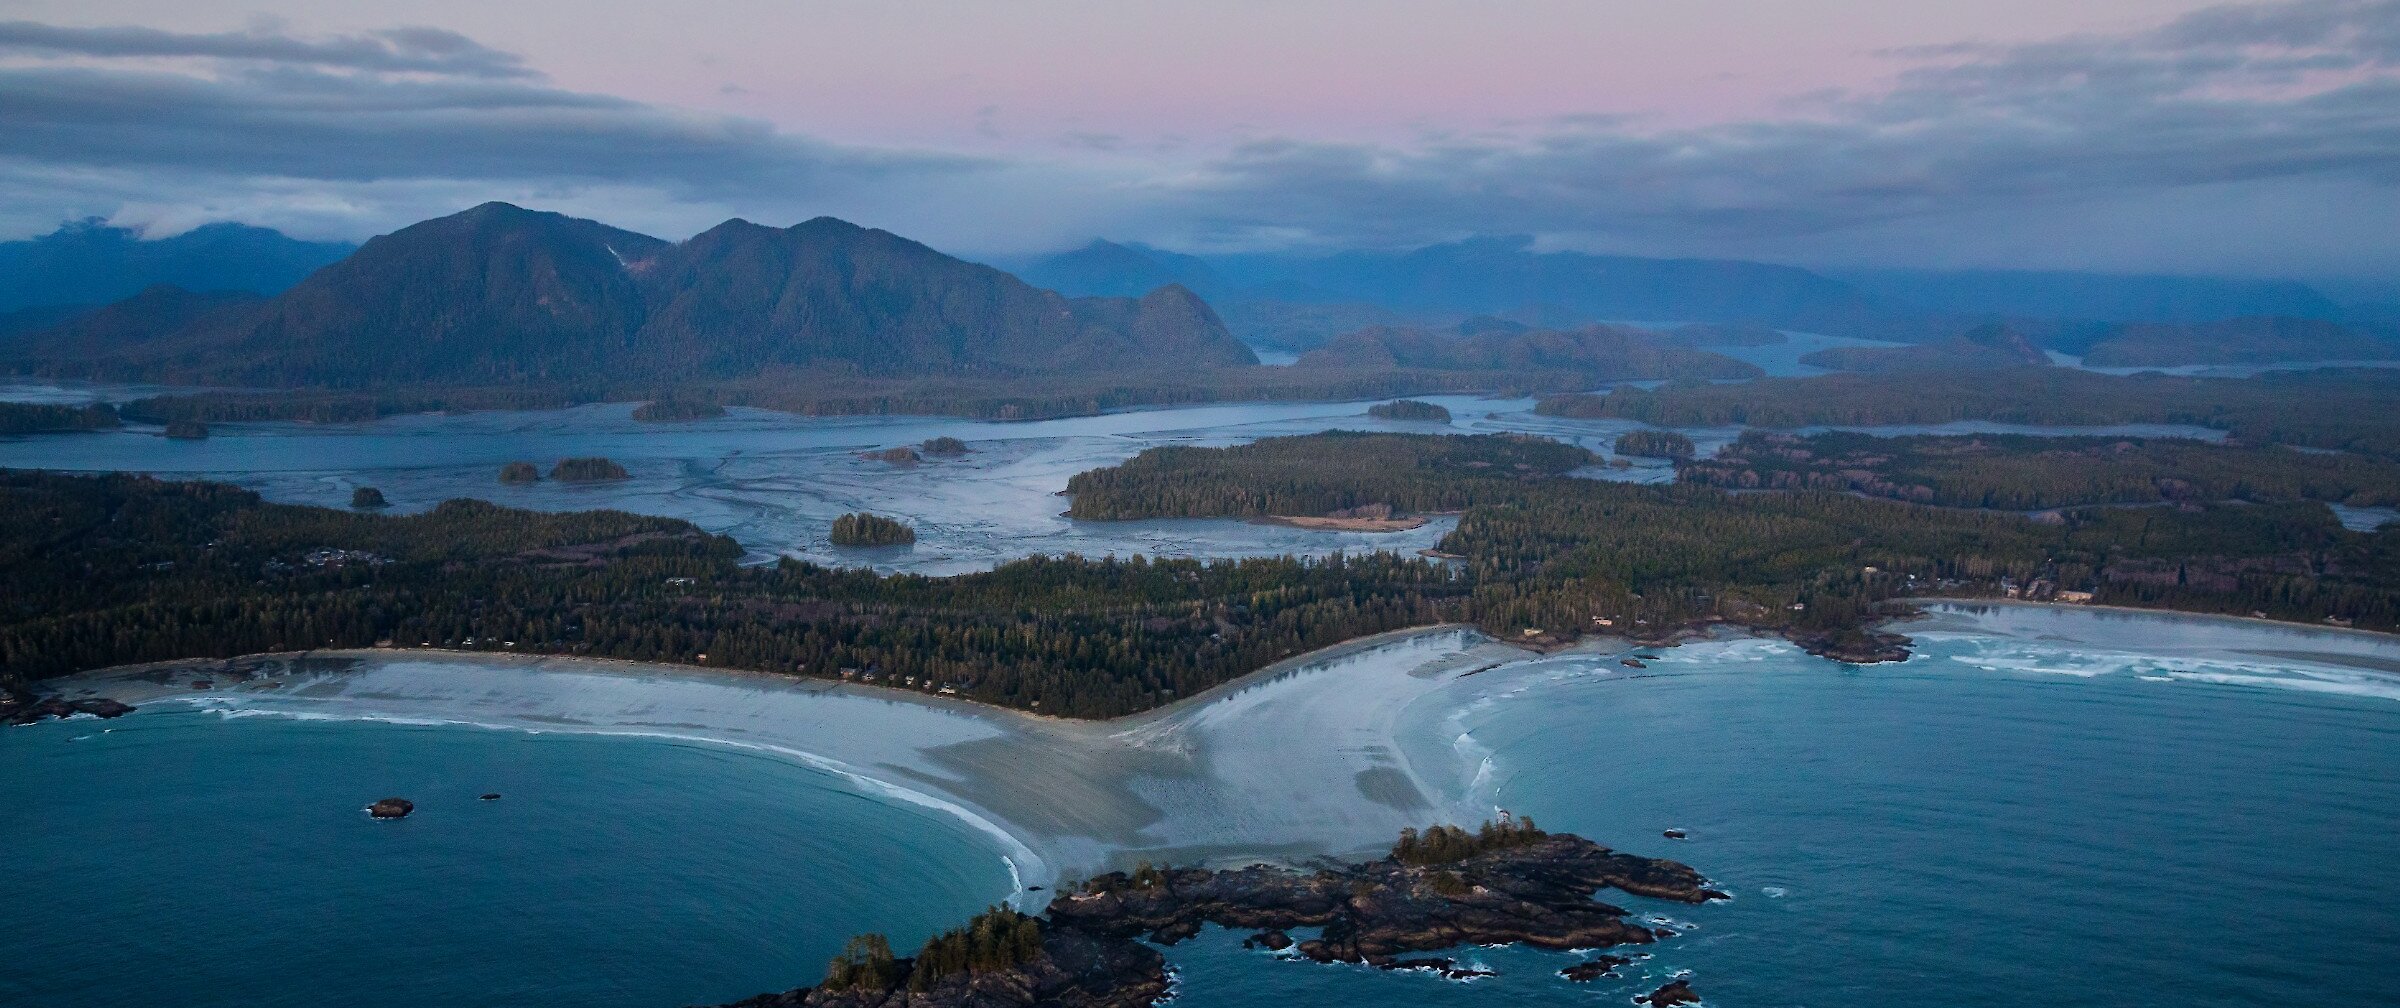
[1535,891]
[1854,645]
[391,808]
[1678,992]
[19,708]
[1594,968]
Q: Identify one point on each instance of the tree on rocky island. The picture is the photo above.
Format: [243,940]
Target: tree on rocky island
[1446,844]
[859,528]
[944,446]
[1656,444]
[587,470]
[367,497]
[865,964]
[1409,409]
[520,472]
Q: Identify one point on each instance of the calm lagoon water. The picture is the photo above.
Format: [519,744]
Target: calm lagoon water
[775,482]
[2041,808]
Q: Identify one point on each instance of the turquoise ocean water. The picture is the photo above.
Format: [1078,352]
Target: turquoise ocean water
[1965,829]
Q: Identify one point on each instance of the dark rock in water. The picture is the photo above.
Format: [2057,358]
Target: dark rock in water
[1270,939]
[1535,891]
[21,708]
[367,497]
[186,430]
[1632,663]
[391,808]
[520,472]
[1674,834]
[1448,968]
[944,446]
[1594,968]
[103,707]
[588,470]
[1647,657]
[903,455]
[1033,888]
[202,684]
[1678,992]
[492,796]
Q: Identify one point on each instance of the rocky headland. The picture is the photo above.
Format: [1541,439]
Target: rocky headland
[1510,883]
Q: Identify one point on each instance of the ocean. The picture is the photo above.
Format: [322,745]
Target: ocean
[2040,808]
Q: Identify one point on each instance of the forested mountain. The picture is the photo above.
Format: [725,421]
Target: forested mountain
[1600,351]
[740,296]
[91,263]
[2265,340]
[1274,298]
[1109,269]
[500,295]
[159,313]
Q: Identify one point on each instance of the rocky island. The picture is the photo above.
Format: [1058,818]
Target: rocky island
[862,529]
[673,410]
[1508,883]
[1409,409]
[587,470]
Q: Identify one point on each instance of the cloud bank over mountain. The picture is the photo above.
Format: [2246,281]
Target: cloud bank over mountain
[2258,138]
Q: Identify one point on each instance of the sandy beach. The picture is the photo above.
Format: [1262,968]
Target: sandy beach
[1324,755]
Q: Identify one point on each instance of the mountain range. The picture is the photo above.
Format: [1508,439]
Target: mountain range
[89,263]
[504,295]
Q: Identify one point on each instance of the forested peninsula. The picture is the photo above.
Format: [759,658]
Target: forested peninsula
[2335,409]
[110,570]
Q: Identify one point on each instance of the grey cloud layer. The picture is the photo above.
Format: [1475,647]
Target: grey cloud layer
[2280,105]
[2228,96]
[428,50]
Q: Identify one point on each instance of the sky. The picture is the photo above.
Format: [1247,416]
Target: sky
[2254,139]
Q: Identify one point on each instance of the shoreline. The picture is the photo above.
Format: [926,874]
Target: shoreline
[1184,783]
[2257,621]
[1318,757]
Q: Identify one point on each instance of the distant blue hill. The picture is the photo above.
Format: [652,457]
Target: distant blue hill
[2097,297]
[91,263]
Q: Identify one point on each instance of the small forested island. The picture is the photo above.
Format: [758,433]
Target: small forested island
[943,447]
[1508,883]
[367,497]
[672,410]
[1320,474]
[587,470]
[1655,444]
[42,418]
[1409,409]
[186,430]
[859,528]
[520,472]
